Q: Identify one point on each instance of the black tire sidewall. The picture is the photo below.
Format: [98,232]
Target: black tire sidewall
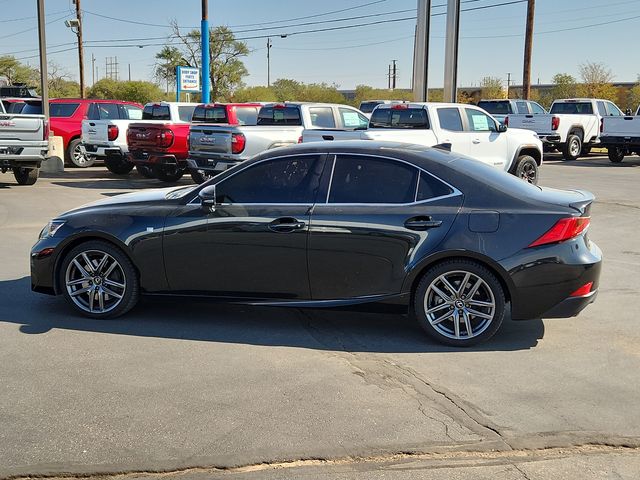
[452,265]
[26,176]
[132,291]
[521,162]
[615,154]
[118,165]
[566,151]
[161,172]
[145,171]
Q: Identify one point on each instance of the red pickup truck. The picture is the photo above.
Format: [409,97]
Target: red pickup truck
[159,147]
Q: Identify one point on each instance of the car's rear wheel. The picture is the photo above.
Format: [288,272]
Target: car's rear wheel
[571,150]
[526,168]
[26,176]
[118,164]
[200,176]
[459,303]
[78,156]
[168,173]
[615,154]
[145,171]
[99,280]
[586,150]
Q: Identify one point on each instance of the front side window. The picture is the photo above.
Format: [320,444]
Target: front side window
[450,119]
[291,180]
[480,121]
[536,109]
[613,110]
[361,179]
[601,109]
[352,119]
[108,111]
[322,117]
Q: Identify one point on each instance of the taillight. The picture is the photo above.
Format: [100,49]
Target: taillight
[583,290]
[165,138]
[555,123]
[238,141]
[112,132]
[45,131]
[506,121]
[300,139]
[564,229]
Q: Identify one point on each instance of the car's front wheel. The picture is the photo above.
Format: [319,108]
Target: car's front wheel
[168,173]
[526,168]
[118,164]
[459,303]
[99,280]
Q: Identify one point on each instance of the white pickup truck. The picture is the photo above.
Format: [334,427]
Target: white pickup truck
[214,147]
[572,125]
[464,129]
[621,136]
[104,132]
[24,142]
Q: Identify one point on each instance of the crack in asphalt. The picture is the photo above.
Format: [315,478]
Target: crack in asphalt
[522,472]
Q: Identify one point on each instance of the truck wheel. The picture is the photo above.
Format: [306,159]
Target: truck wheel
[76,155]
[571,150]
[168,173]
[145,171]
[200,176]
[117,164]
[616,154]
[526,168]
[26,176]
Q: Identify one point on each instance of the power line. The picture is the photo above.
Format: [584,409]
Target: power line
[33,28]
[29,18]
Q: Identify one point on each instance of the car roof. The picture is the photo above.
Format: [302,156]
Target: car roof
[389,106]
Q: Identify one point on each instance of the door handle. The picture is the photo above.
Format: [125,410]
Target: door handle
[422,223]
[92,124]
[475,141]
[327,137]
[286,225]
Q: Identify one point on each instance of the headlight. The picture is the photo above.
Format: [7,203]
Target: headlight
[51,228]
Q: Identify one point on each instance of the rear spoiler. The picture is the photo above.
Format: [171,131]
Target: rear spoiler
[584,206]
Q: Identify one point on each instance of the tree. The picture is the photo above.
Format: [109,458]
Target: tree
[60,83]
[16,72]
[596,82]
[492,88]
[564,86]
[225,58]
[634,97]
[254,94]
[134,91]
[165,68]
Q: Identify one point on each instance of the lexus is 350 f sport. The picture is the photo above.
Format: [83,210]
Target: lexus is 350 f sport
[335,224]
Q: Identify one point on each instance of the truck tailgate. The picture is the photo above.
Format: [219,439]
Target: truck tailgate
[21,127]
[94,132]
[210,139]
[538,123]
[621,126]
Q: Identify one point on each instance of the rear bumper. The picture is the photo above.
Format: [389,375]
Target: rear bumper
[156,158]
[550,138]
[572,306]
[216,163]
[622,142]
[104,150]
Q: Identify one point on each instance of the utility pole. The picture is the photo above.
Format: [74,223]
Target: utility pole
[269,45]
[508,83]
[421,52]
[528,48]
[389,78]
[80,49]
[93,70]
[42,45]
[129,72]
[452,37]
[395,75]
[204,36]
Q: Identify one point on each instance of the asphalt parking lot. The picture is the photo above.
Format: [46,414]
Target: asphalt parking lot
[178,384]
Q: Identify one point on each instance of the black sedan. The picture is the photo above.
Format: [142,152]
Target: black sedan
[345,223]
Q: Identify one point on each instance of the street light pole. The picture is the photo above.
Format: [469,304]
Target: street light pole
[452,36]
[528,48]
[80,49]
[421,52]
[204,34]
[42,45]
[269,45]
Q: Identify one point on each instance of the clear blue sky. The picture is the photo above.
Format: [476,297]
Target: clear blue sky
[491,45]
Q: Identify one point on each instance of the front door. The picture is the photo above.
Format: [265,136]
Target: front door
[487,144]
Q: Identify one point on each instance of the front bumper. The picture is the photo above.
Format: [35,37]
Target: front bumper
[43,258]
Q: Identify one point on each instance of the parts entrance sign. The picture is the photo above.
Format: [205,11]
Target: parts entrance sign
[187,80]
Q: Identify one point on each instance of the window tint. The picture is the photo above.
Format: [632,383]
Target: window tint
[186,112]
[107,111]
[287,180]
[156,112]
[359,179]
[210,114]
[431,187]
[537,109]
[14,107]
[400,117]
[522,107]
[450,119]
[572,108]
[613,110]
[601,110]
[367,107]
[496,108]
[279,115]
[247,115]
[32,108]
[60,110]
[131,112]
[352,119]
[480,121]
[322,117]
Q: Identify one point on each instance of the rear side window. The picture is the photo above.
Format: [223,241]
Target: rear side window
[247,115]
[322,117]
[34,108]
[185,113]
[450,119]
[601,110]
[359,179]
[367,107]
[210,114]
[156,112]
[400,118]
[430,187]
[572,108]
[522,107]
[60,110]
[496,108]
[279,116]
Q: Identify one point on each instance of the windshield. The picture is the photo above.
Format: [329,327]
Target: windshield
[496,108]
[572,108]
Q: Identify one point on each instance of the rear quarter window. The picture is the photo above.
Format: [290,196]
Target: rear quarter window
[279,116]
[400,118]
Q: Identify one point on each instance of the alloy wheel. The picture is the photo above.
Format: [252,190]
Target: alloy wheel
[95,281]
[529,173]
[459,305]
[575,148]
[80,158]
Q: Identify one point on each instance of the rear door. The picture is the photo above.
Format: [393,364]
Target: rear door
[487,144]
[371,218]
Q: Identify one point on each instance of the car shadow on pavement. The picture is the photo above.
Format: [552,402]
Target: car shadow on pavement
[205,320]
[628,162]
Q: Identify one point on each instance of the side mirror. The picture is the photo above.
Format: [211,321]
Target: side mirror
[208,198]
[502,128]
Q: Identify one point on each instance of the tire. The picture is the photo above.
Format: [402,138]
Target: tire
[526,168]
[26,176]
[118,165]
[615,154]
[145,171]
[107,283]
[586,150]
[572,148]
[442,327]
[75,157]
[168,173]
[199,176]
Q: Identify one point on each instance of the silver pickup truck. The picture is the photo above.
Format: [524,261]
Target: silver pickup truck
[23,145]
[214,147]
[621,136]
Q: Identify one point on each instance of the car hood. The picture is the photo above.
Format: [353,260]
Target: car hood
[522,133]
